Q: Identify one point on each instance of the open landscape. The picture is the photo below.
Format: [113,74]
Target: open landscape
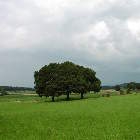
[29,117]
[69,70]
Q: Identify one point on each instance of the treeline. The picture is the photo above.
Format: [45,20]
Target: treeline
[107,87]
[3,92]
[124,86]
[11,88]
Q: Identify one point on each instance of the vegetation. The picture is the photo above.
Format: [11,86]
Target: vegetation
[10,88]
[65,78]
[2,92]
[117,88]
[108,87]
[131,86]
[31,118]
[122,92]
[123,86]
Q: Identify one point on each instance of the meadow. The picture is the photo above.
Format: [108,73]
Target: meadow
[28,117]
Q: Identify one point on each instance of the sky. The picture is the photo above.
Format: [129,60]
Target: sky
[101,34]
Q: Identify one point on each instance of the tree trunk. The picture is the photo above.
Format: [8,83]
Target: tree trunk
[68,95]
[40,95]
[52,98]
[82,95]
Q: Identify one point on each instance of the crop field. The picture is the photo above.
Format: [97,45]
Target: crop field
[28,117]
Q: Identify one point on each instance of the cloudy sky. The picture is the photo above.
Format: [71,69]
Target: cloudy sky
[101,34]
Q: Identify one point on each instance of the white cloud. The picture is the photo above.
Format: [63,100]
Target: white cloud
[134,27]
[100,31]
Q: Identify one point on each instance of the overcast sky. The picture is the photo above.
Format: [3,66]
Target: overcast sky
[100,34]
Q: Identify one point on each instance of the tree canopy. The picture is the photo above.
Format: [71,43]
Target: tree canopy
[56,79]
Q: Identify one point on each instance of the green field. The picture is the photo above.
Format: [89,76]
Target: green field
[105,118]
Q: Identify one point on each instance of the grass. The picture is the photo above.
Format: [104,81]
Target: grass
[105,118]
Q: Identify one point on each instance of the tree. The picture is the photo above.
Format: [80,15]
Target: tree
[138,86]
[117,88]
[3,92]
[56,79]
[131,86]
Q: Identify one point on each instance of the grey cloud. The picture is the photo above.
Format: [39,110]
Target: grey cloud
[34,33]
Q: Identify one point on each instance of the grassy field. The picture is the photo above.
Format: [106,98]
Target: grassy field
[105,118]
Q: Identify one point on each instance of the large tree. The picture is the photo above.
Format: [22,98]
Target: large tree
[56,79]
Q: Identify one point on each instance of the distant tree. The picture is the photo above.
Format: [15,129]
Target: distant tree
[3,92]
[57,79]
[137,86]
[117,88]
[131,86]
[10,88]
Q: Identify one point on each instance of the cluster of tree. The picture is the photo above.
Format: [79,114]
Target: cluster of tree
[58,79]
[137,85]
[3,92]
[132,86]
[129,87]
[10,88]
[123,86]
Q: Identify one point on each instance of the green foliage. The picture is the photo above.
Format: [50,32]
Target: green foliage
[2,92]
[122,92]
[137,86]
[117,88]
[128,91]
[56,79]
[10,88]
[131,86]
